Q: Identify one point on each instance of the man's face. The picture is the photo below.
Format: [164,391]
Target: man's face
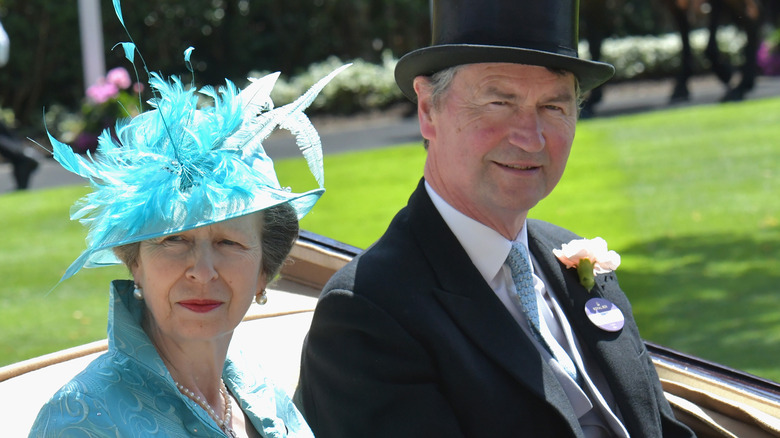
[499,139]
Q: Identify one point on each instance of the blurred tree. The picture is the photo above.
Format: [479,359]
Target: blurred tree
[231,38]
[43,49]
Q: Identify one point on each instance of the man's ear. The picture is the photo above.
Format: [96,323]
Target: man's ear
[423,88]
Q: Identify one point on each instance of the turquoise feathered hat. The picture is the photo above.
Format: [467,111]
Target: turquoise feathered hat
[180,166]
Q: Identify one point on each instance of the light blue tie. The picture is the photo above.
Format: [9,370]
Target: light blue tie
[524,287]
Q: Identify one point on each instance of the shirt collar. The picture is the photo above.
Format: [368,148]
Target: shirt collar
[486,248]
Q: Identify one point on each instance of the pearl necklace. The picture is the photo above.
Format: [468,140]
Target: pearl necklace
[223,423]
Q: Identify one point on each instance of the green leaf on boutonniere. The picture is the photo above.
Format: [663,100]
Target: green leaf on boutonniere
[585,272]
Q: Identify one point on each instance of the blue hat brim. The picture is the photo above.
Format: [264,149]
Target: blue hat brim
[103,255]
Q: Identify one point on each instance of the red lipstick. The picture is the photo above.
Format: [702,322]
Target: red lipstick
[200,306]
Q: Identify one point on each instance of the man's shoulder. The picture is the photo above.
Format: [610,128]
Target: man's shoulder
[396,261]
[394,256]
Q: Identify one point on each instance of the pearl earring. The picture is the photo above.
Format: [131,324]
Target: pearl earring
[138,293]
[261,298]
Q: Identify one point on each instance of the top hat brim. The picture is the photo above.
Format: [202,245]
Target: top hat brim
[429,60]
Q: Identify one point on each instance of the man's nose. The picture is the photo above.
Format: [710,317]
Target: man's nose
[526,131]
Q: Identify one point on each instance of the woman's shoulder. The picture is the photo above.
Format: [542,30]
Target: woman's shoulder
[112,397]
[94,391]
[91,380]
[110,369]
[71,412]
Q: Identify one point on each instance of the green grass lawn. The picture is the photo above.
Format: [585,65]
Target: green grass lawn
[688,197]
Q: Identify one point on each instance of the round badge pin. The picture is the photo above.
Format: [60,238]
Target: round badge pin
[604,314]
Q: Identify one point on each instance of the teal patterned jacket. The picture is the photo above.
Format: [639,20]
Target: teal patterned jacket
[128,391]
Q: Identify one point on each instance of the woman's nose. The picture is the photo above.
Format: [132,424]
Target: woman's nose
[202,267]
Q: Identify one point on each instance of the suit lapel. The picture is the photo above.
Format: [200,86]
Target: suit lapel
[617,354]
[475,308]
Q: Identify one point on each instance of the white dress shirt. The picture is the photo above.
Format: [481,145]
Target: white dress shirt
[488,250]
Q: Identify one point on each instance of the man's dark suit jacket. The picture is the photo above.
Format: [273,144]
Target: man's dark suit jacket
[408,340]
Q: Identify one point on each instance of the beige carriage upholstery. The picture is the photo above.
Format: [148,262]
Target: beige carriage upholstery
[717,407]
[273,334]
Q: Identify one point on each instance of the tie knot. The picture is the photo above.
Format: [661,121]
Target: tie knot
[520,266]
[518,258]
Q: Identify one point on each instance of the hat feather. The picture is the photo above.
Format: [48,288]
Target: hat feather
[182,165]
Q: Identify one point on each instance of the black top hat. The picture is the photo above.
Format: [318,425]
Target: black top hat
[533,32]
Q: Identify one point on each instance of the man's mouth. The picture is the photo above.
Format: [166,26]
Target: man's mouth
[518,167]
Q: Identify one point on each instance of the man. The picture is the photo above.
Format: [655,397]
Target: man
[432,332]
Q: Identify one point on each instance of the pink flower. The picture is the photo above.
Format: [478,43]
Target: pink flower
[119,77]
[768,59]
[589,257]
[102,91]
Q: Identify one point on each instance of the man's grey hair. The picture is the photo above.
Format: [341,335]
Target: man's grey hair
[440,83]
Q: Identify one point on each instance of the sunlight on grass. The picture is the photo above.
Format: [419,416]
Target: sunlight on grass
[688,197]
[364,190]
[38,244]
[693,210]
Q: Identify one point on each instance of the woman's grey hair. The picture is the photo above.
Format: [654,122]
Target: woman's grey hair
[278,231]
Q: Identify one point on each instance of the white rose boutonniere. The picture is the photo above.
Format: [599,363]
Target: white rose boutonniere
[590,257]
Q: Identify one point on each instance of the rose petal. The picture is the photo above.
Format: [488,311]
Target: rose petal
[565,260]
[595,250]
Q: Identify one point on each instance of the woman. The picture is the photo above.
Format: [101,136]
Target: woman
[187,199]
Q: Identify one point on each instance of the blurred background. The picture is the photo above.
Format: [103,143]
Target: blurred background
[60,48]
[232,38]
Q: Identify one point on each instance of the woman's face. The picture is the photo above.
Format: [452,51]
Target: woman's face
[199,284]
